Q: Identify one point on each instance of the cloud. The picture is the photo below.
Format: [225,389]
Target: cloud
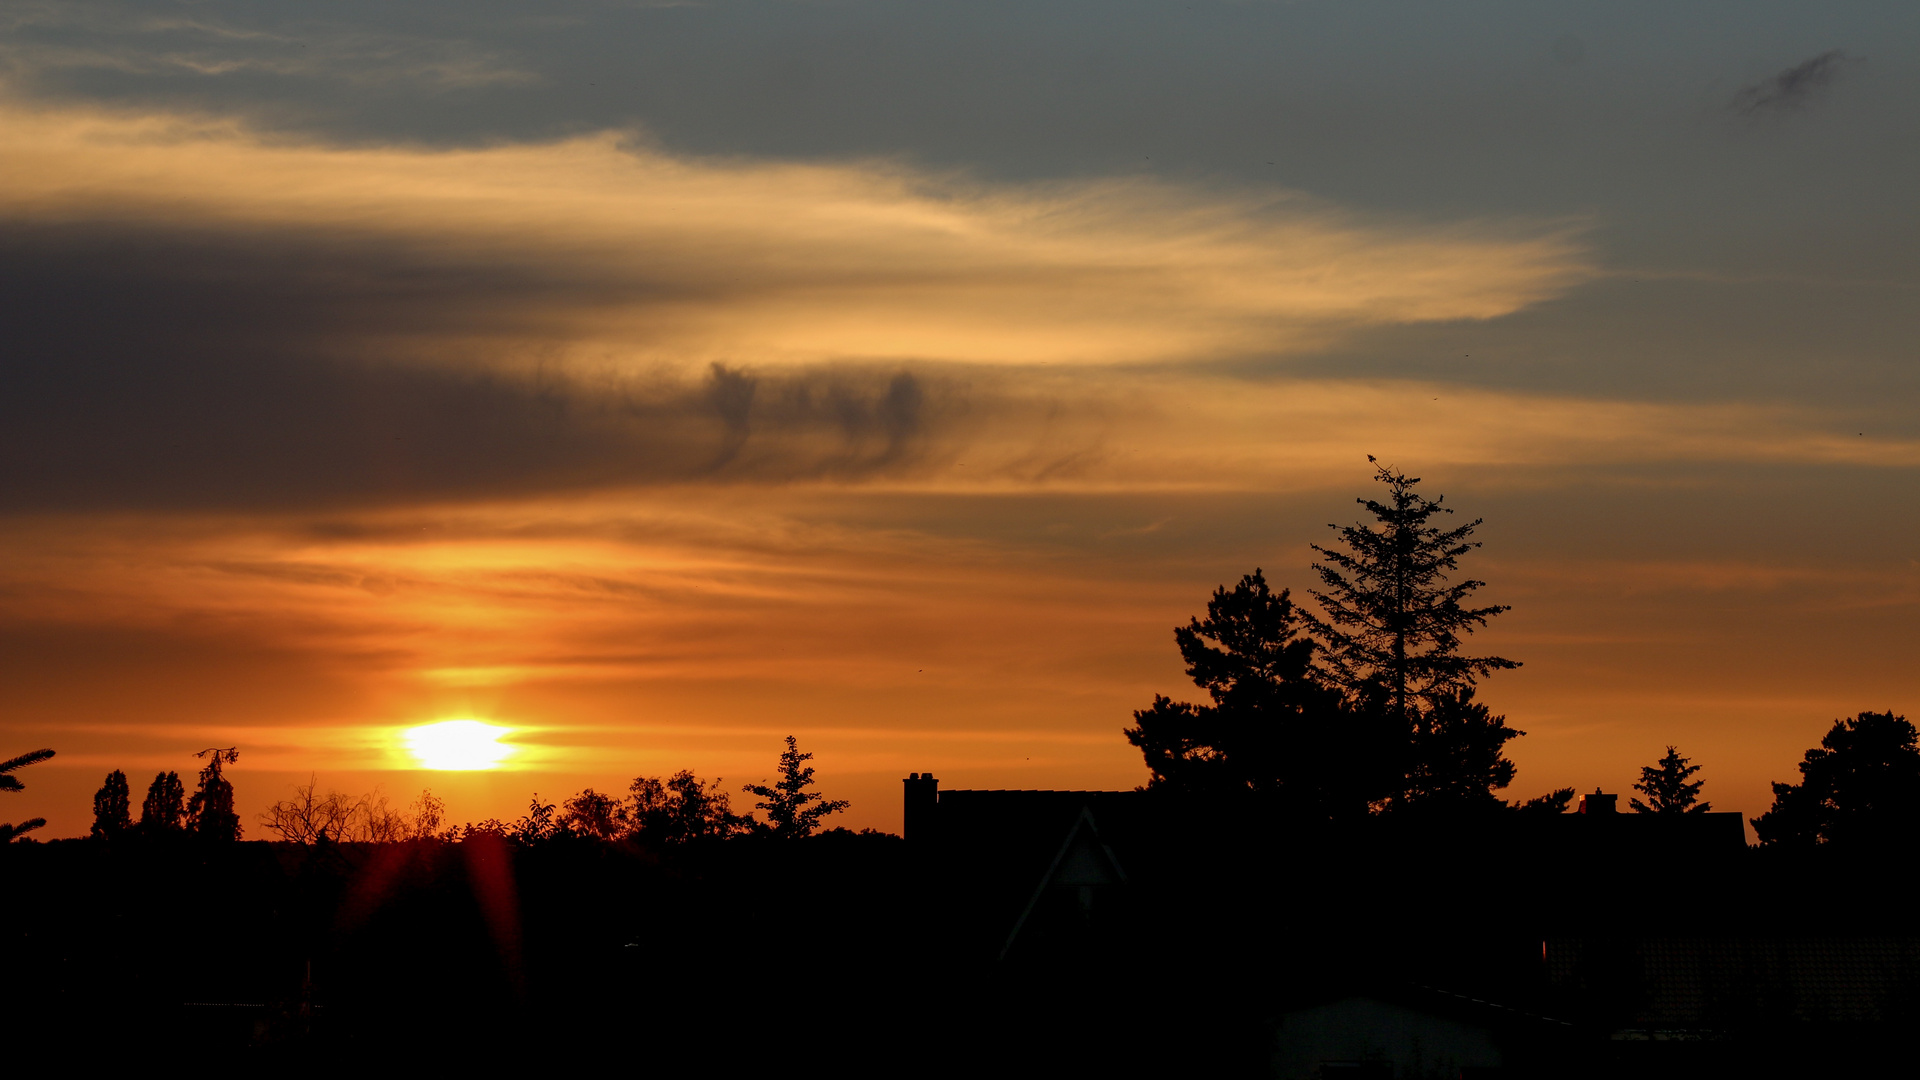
[80,39]
[198,315]
[613,248]
[1794,87]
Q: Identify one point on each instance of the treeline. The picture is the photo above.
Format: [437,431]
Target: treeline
[678,809]
[167,810]
[1368,705]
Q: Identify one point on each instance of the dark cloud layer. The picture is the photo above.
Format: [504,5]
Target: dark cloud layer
[152,370]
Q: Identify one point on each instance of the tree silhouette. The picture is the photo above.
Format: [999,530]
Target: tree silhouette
[681,809]
[1273,725]
[10,782]
[429,816]
[1394,624]
[112,807]
[1457,753]
[1393,631]
[540,823]
[591,813]
[1860,787]
[792,811]
[1668,787]
[1553,802]
[210,812]
[165,808]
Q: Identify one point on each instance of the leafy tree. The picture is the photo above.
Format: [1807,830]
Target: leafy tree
[1860,787]
[165,808]
[113,807]
[591,813]
[1668,787]
[10,782]
[1273,725]
[539,825]
[210,812]
[681,809]
[792,811]
[1393,631]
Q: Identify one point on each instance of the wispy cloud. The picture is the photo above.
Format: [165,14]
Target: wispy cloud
[1795,87]
[614,247]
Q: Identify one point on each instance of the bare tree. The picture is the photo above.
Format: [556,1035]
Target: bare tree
[429,816]
[307,816]
[376,821]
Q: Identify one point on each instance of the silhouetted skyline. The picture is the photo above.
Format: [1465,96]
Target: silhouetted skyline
[650,382]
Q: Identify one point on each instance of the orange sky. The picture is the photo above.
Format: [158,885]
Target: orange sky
[656,454]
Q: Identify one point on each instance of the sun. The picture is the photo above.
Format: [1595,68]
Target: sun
[457,745]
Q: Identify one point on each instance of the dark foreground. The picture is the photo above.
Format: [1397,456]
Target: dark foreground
[863,954]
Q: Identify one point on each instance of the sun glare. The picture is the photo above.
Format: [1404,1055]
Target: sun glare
[457,745]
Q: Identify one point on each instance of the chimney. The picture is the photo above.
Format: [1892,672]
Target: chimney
[1597,803]
[923,801]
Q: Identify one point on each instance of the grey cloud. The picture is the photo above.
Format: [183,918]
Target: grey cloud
[1794,87]
[147,370]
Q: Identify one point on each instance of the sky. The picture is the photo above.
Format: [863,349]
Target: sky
[657,380]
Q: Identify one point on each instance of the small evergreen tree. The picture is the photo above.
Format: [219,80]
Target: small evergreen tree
[10,782]
[1860,787]
[792,811]
[165,809]
[210,812]
[1669,788]
[112,807]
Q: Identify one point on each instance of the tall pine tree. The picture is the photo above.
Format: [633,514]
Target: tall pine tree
[1393,630]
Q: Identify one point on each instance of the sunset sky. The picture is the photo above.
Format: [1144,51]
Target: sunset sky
[656,380]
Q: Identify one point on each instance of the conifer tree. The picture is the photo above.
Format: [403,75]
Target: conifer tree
[10,782]
[1668,787]
[1393,632]
[1273,727]
[792,811]
[165,808]
[210,813]
[1859,788]
[112,807]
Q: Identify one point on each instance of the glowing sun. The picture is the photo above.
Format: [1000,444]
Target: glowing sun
[457,744]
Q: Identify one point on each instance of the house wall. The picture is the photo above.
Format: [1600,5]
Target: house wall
[1365,1029]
